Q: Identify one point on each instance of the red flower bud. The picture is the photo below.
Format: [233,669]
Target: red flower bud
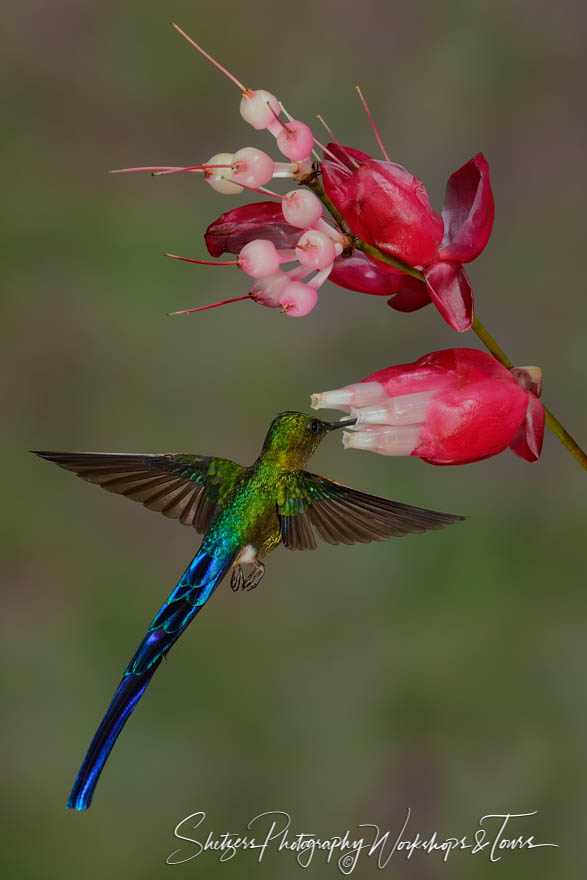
[388,208]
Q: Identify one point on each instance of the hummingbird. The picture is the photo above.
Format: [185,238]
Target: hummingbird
[243,513]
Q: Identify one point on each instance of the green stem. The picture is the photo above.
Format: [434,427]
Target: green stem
[565,438]
[484,335]
[551,420]
[490,343]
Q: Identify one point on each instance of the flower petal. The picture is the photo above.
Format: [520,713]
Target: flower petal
[435,370]
[359,273]
[471,423]
[450,291]
[468,211]
[233,230]
[528,441]
[337,180]
[412,296]
[529,378]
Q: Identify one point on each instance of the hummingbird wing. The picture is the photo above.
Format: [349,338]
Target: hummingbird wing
[341,515]
[184,487]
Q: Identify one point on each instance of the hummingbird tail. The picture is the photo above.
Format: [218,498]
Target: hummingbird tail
[193,590]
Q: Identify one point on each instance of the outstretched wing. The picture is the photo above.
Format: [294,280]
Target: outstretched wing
[184,487]
[341,515]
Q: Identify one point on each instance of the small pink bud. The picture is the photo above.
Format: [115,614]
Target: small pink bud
[315,249]
[295,140]
[297,299]
[267,291]
[259,258]
[301,208]
[252,167]
[220,179]
[259,108]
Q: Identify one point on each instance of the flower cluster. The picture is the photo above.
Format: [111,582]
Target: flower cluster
[378,202]
[266,235]
[449,407]
[291,231]
[381,237]
[388,208]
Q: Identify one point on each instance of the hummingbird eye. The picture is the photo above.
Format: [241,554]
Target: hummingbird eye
[314,426]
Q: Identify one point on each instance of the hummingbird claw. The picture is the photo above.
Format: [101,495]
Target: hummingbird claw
[237,581]
[255,576]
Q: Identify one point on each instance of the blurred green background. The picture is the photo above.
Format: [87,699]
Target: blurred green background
[443,673]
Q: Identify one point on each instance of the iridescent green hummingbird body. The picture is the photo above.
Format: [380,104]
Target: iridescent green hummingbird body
[243,513]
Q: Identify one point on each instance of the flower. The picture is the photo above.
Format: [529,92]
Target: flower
[388,208]
[449,407]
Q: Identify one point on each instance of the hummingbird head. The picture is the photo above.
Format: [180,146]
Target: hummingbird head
[293,437]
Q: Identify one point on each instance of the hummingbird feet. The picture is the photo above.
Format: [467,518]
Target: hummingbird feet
[239,582]
[255,576]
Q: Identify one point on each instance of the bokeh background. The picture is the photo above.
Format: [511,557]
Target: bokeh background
[445,673]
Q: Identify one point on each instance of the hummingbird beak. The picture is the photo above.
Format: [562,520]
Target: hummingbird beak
[333,426]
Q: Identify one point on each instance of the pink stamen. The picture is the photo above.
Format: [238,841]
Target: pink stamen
[276,115]
[178,170]
[209,57]
[336,140]
[204,168]
[373,126]
[211,306]
[202,262]
[167,168]
[327,151]
[261,190]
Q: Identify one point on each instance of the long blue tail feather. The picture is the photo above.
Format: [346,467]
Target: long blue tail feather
[193,590]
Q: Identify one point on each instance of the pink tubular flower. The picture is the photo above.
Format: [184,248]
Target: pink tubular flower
[388,208]
[449,407]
